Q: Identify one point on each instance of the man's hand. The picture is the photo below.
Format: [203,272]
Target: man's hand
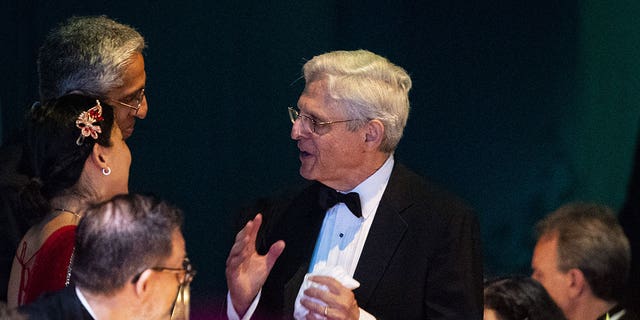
[246,270]
[340,301]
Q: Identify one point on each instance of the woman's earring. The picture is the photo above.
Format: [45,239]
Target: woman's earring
[106,171]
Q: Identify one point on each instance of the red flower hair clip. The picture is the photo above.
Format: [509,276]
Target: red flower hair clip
[87,122]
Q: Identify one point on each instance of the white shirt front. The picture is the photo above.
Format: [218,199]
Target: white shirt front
[342,235]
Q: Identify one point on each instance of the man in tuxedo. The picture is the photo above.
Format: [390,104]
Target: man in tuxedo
[582,258]
[129,263]
[412,248]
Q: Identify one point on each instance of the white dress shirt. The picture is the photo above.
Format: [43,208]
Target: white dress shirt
[342,235]
[85,303]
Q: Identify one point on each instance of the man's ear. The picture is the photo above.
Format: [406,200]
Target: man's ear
[374,133]
[577,282]
[143,285]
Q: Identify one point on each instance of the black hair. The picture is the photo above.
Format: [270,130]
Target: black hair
[121,237]
[51,160]
[518,298]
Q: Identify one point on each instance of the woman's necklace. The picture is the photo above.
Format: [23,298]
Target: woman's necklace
[68,278]
[65,210]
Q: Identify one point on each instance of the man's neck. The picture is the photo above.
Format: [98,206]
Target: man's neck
[591,308]
[108,307]
[368,168]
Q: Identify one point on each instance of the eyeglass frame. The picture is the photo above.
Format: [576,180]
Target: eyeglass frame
[187,268]
[138,100]
[294,115]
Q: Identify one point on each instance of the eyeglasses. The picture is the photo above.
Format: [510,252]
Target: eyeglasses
[182,303]
[184,275]
[137,102]
[308,123]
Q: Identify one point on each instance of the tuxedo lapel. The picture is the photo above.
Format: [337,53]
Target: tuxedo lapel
[303,225]
[292,287]
[384,236]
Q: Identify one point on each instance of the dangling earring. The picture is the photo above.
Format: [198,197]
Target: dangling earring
[106,171]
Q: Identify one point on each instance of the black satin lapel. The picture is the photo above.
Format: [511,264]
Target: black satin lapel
[384,237]
[302,229]
[292,287]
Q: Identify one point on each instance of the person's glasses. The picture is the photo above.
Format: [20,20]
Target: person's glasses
[184,275]
[180,308]
[182,303]
[310,124]
[134,103]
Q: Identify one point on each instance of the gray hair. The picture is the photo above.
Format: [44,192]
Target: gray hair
[121,237]
[591,240]
[367,86]
[86,54]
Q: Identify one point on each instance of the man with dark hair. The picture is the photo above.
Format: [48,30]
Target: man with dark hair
[582,259]
[129,263]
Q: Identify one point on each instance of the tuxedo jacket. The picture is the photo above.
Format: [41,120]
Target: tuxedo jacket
[421,259]
[628,315]
[60,305]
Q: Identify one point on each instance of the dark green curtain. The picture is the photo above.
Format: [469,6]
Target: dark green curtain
[518,107]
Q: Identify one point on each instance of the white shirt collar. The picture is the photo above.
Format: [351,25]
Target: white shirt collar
[372,188]
[85,303]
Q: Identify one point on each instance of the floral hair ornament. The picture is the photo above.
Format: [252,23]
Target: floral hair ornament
[87,123]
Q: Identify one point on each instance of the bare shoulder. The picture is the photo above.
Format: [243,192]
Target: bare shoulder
[53,222]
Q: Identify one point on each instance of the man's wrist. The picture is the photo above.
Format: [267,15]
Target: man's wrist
[247,313]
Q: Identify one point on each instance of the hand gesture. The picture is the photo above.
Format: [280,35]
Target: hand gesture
[246,270]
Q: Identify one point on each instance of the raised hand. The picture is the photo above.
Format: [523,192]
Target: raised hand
[246,270]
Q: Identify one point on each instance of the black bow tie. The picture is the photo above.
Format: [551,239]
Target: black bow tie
[329,198]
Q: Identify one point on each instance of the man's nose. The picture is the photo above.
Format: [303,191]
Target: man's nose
[144,108]
[297,131]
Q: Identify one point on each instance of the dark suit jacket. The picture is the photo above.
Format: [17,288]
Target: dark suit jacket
[629,217]
[421,259]
[629,314]
[61,305]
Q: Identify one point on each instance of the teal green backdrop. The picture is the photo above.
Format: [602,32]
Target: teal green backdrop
[517,106]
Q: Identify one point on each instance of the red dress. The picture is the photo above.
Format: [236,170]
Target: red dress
[46,270]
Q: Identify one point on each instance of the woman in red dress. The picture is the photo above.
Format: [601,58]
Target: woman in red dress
[74,154]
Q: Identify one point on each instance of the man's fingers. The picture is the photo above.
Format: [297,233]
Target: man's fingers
[256,223]
[332,284]
[251,228]
[274,252]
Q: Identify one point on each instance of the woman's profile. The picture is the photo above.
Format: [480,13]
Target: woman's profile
[74,154]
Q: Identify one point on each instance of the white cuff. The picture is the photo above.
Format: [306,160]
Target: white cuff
[366,315]
[232,314]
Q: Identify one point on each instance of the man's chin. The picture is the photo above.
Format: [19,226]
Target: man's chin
[306,173]
[127,133]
